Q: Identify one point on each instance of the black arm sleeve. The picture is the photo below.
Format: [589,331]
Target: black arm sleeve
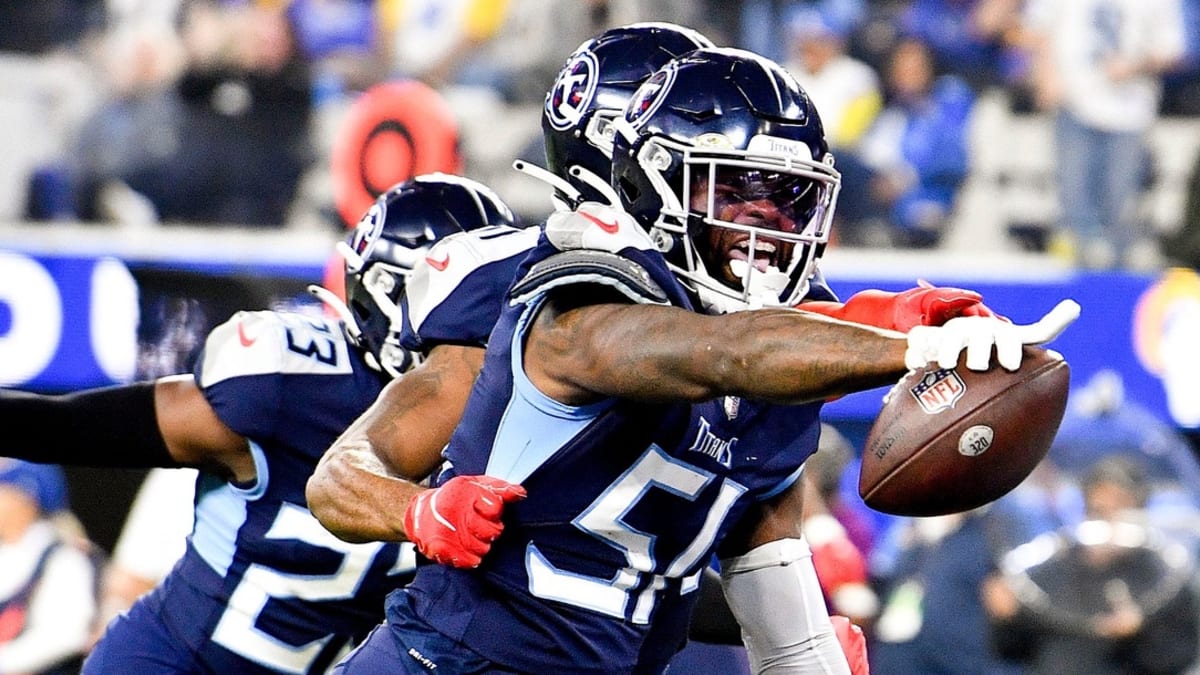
[114,427]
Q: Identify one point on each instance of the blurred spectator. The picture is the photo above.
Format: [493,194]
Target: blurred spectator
[243,141]
[140,59]
[343,42]
[1098,65]
[152,540]
[973,39]
[841,564]
[1183,246]
[432,40]
[762,25]
[1100,421]
[530,46]
[47,590]
[47,83]
[40,26]
[208,126]
[1109,596]
[933,621]
[899,188]
[1181,86]
[845,90]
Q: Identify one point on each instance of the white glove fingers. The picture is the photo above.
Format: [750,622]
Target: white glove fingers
[1049,326]
[979,349]
[952,345]
[1009,348]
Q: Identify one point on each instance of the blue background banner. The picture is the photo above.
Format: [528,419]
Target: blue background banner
[1128,322]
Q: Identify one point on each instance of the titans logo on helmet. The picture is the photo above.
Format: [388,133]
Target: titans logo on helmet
[647,99]
[573,91]
[366,233]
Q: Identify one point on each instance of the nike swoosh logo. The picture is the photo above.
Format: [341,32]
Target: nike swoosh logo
[438,265]
[607,226]
[246,340]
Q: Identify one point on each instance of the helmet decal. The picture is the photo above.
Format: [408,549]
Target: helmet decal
[573,91]
[389,240]
[780,146]
[366,233]
[650,95]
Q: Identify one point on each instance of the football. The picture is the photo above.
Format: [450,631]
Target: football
[952,440]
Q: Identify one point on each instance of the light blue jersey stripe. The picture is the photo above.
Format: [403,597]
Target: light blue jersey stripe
[221,513]
[534,426]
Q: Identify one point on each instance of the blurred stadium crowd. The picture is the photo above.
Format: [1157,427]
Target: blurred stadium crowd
[949,135]
[944,113]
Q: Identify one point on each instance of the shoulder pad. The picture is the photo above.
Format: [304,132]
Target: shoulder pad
[596,226]
[591,267]
[266,342]
[466,264]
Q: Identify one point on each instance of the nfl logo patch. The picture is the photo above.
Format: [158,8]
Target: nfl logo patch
[938,390]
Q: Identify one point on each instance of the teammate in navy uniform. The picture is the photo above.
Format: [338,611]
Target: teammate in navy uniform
[262,587]
[647,428]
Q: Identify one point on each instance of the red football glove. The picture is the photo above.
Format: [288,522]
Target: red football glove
[924,305]
[853,642]
[455,524]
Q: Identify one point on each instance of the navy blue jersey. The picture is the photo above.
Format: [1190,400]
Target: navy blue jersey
[627,502]
[262,586]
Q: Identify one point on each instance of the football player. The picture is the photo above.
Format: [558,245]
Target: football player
[613,391]
[261,587]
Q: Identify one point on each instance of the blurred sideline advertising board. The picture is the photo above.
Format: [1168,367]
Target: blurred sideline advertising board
[70,320]
[73,323]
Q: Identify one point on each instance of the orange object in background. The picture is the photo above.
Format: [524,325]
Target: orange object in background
[392,132]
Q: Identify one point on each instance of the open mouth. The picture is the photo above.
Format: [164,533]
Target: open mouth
[762,257]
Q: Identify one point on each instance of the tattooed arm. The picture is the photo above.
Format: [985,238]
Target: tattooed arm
[366,479]
[577,353]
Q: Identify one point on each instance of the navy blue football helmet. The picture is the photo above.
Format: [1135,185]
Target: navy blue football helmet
[389,240]
[591,91]
[722,157]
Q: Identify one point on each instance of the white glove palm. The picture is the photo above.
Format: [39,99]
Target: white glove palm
[978,334]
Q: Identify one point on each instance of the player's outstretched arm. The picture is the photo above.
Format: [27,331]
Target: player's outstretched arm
[576,354]
[367,478]
[166,423]
[658,353]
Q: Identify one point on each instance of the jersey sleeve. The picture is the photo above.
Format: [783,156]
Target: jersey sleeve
[244,367]
[456,293]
